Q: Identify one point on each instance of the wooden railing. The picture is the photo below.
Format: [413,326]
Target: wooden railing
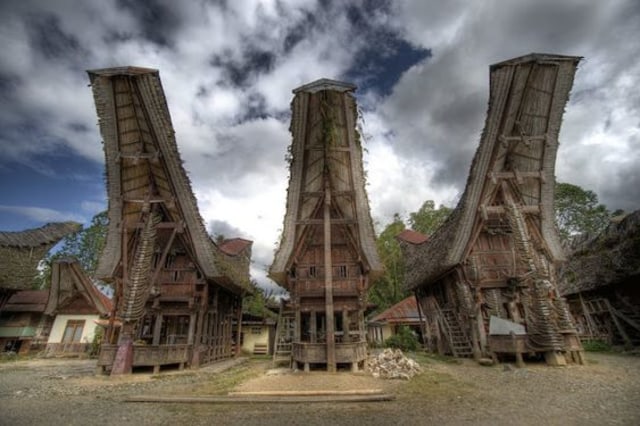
[317,352]
[144,355]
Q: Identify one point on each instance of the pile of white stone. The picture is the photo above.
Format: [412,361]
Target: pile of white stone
[392,364]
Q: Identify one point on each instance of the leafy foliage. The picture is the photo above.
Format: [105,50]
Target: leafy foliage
[389,289]
[405,339]
[578,211]
[427,219]
[258,301]
[85,245]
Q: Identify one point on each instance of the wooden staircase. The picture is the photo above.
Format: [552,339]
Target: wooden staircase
[625,317]
[284,336]
[457,337]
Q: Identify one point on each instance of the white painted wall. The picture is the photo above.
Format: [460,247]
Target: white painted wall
[249,339]
[60,323]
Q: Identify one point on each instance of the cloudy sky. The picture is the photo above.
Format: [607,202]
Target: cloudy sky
[228,68]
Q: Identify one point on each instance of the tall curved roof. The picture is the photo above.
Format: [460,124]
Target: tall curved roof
[141,153]
[527,98]
[325,151]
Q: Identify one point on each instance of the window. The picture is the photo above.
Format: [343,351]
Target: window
[73,331]
[312,271]
[342,271]
[256,330]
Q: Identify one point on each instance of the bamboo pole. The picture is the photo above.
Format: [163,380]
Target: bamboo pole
[328,280]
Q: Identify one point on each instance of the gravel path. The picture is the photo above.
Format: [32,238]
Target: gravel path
[66,392]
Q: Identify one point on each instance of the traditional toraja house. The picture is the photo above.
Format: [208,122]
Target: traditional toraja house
[176,291]
[486,279]
[77,307]
[21,252]
[327,255]
[600,282]
[24,327]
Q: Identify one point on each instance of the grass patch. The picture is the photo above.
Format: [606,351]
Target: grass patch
[596,346]
[428,357]
[222,383]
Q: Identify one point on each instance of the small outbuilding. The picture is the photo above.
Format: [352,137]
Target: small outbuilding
[600,282]
[386,324]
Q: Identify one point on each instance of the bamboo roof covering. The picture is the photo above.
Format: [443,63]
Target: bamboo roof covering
[604,259]
[21,252]
[527,98]
[48,234]
[68,279]
[144,167]
[27,301]
[325,151]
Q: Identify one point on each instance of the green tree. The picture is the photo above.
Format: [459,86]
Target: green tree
[85,245]
[258,301]
[389,289]
[427,219]
[578,211]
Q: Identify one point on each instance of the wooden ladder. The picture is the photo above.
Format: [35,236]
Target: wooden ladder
[458,340]
[284,337]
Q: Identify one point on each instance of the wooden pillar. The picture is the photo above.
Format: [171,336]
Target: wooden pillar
[192,328]
[345,326]
[297,326]
[157,329]
[239,330]
[361,326]
[314,326]
[328,280]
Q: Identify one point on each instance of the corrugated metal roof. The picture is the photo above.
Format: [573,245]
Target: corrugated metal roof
[234,246]
[403,311]
[413,237]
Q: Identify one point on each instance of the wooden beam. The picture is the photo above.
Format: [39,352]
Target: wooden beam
[316,194]
[517,175]
[328,281]
[332,221]
[484,209]
[163,257]
[162,225]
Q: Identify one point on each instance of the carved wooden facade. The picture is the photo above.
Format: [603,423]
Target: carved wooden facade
[327,254]
[486,279]
[177,293]
[600,282]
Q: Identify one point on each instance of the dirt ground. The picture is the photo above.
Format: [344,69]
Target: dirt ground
[66,392]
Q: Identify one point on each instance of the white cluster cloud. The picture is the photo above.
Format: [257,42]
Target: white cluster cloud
[228,69]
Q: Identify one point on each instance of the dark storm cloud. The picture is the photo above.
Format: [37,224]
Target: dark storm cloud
[242,72]
[158,20]
[50,40]
[299,31]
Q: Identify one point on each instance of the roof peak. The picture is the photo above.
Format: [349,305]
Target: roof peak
[326,84]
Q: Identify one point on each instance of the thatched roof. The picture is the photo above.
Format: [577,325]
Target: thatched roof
[526,102]
[606,259]
[48,234]
[341,159]
[27,301]
[141,153]
[68,280]
[21,252]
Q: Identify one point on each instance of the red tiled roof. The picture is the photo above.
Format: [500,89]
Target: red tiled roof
[403,311]
[27,301]
[413,237]
[234,246]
